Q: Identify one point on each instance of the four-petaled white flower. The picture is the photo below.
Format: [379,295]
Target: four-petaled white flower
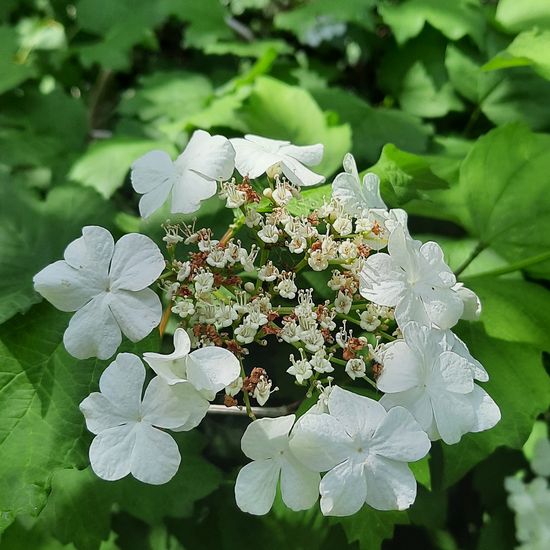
[266,442]
[128,440]
[106,284]
[191,178]
[209,369]
[429,374]
[255,155]
[414,279]
[356,197]
[366,449]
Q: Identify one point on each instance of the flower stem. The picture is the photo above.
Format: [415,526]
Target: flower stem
[164,320]
[233,228]
[473,255]
[246,397]
[522,264]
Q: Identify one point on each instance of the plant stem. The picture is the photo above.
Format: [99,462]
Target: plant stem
[246,397]
[233,228]
[165,318]
[473,255]
[522,264]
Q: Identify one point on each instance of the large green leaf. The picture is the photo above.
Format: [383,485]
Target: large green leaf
[75,492]
[105,164]
[41,428]
[12,71]
[514,310]
[370,527]
[402,174]
[373,127]
[280,111]
[528,48]
[519,385]
[519,16]
[454,19]
[34,233]
[503,96]
[506,191]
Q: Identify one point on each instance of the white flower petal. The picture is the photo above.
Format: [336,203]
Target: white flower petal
[189,190]
[411,308]
[443,306]
[155,456]
[150,202]
[381,281]
[298,174]
[173,366]
[111,452]
[402,368]
[486,411]
[93,331]
[371,184]
[256,486]
[425,341]
[299,485]
[67,288]
[418,403]
[137,313]
[264,438]
[457,375]
[93,250]
[454,415]
[472,304]
[137,263]
[458,346]
[151,171]
[251,159]
[343,490]
[320,442]
[390,484]
[400,437]
[358,414]
[404,250]
[310,155]
[213,157]
[100,414]
[212,368]
[122,384]
[178,407]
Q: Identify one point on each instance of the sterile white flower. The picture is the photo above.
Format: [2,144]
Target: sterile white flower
[436,384]
[126,426]
[366,449]
[531,504]
[472,304]
[266,442]
[208,369]
[106,284]
[191,178]
[415,279]
[354,196]
[255,155]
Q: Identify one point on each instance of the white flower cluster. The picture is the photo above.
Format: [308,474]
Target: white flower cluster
[383,318]
[531,501]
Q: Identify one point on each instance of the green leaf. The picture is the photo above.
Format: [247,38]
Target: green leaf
[105,164]
[41,386]
[519,16]
[373,127]
[319,20]
[12,70]
[310,200]
[454,19]
[505,190]
[34,233]
[501,96]
[416,75]
[402,174]
[519,385]
[528,48]
[514,310]
[75,492]
[280,111]
[370,527]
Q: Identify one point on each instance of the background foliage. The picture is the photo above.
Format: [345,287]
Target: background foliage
[447,100]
